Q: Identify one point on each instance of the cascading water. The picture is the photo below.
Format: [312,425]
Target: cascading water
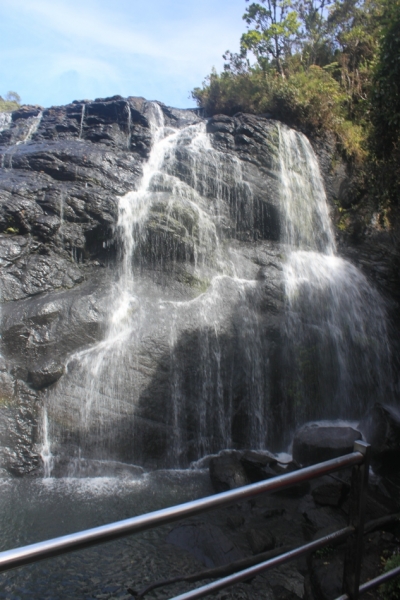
[82,122]
[103,383]
[5,120]
[212,385]
[46,454]
[33,127]
[30,128]
[336,345]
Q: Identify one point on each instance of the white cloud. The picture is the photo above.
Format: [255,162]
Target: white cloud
[101,28]
[158,48]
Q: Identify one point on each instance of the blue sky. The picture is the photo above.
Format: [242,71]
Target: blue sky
[56,51]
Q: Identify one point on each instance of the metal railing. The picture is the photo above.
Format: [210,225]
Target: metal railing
[358,459]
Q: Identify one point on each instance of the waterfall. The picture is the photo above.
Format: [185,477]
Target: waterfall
[336,351]
[189,188]
[129,126]
[186,373]
[5,120]
[45,453]
[32,129]
[306,221]
[82,121]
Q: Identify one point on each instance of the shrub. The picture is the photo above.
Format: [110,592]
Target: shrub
[391,589]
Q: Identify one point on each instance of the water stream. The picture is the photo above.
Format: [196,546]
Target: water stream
[336,350]
[219,390]
[5,120]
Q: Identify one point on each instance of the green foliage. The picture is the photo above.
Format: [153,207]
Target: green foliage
[386,94]
[391,589]
[11,102]
[275,28]
[329,66]
[309,98]
[324,552]
[385,106]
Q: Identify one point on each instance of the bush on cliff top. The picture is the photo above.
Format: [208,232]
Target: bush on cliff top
[10,103]
[313,65]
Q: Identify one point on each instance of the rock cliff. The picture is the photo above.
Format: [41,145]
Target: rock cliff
[63,171]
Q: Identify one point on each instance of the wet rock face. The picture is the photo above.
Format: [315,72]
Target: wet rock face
[209,245]
[62,172]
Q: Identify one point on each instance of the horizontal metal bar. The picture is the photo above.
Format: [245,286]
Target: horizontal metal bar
[17,557]
[373,583]
[337,536]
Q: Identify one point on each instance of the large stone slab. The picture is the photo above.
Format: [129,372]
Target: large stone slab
[317,442]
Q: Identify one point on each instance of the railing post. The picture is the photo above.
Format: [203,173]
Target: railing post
[358,497]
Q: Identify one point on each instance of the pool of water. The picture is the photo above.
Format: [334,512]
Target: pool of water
[33,510]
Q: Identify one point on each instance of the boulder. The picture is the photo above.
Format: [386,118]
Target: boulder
[45,374]
[206,542]
[227,472]
[258,465]
[330,494]
[316,442]
[381,428]
[260,540]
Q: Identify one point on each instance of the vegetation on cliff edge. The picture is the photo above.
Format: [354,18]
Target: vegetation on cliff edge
[321,66]
[11,102]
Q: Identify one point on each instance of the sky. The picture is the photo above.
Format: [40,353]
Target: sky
[55,51]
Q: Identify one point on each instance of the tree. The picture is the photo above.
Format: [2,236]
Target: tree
[274,32]
[13,97]
[315,42]
[385,107]
[386,89]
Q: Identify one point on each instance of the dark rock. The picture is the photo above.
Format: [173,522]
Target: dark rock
[257,465]
[314,442]
[45,374]
[235,521]
[260,540]
[46,226]
[26,111]
[381,428]
[273,512]
[321,518]
[227,472]
[281,593]
[330,494]
[18,424]
[206,542]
